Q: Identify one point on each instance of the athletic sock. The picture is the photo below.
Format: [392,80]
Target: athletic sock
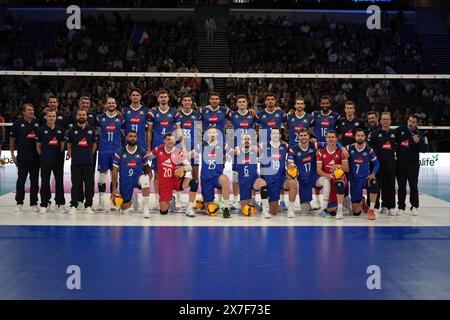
[372,205]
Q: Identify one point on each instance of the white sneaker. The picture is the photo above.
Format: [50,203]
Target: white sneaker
[291,214]
[18,208]
[339,214]
[391,212]
[43,210]
[101,206]
[80,206]
[35,208]
[61,209]
[315,205]
[384,210]
[400,212]
[178,204]
[146,214]
[89,210]
[414,212]
[266,215]
[190,213]
[72,210]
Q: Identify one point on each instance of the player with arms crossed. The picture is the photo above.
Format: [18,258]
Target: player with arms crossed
[110,123]
[361,176]
[329,159]
[246,166]
[132,170]
[161,121]
[274,159]
[172,164]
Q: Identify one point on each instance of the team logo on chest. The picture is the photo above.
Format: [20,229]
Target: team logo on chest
[325,123]
[83,143]
[53,142]
[31,135]
[132,164]
[135,119]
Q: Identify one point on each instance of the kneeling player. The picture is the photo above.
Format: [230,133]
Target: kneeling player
[330,159]
[131,164]
[360,157]
[211,173]
[274,161]
[246,167]
[172,164]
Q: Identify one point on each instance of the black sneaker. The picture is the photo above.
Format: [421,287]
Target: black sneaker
[226,213]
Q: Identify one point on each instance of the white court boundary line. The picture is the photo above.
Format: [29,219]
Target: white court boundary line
[224,75]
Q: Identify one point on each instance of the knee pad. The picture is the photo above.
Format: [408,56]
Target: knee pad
[102,177]
[373,186]
[164,212]
[340,187]
[356,214]
[264,192]
[235,177]
[193,185]
[144,181]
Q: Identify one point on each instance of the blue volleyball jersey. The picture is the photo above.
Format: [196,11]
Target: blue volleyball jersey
[247,165]
[131,165]
[215,118]
[359,161]
[273,159]
[213,159]
[267,120]
[242,125]
[295,124]
[305,160]
[136,120]
[324,123]
[187,123]
[110,131]
[163,122]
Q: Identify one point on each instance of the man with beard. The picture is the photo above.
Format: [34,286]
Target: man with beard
[81,147]
[325,119]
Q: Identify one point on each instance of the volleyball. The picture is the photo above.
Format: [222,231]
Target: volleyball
[199,204]
[293,172]
[213,209]
[338,173]
[117,200]
[248,210]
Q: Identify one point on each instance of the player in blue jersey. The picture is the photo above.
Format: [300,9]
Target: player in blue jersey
[131,168]
[136,118]
[275,158]
[187,120]
[161,121]
[110,124]
[298,120]
[325,119]
[214,153]
[215,115]
[242,121]
[246,166]
[361,176]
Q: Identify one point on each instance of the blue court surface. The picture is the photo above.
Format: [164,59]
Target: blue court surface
[224,263]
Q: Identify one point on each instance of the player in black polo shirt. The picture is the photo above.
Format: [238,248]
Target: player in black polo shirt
[384,143]
[52,105]
[372,122]
[84,104]
[410,143]
[346,126]
[22,135]
[50,146]
[81,146]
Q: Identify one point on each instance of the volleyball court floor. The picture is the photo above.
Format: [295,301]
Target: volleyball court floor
[176,257]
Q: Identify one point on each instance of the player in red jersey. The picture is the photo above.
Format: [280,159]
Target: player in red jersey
[172,165]
[329,159]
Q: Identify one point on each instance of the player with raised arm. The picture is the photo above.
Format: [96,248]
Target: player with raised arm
[332,163]
[362,174]
[161,121]
[275,159]
[172,165]
[132,170]
[110,123]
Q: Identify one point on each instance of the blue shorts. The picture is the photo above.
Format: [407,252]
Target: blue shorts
[208,187]
[356,189]
[105,160]
[154,164]
[127,185]
[246,187]
[306,186]
[274,185]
